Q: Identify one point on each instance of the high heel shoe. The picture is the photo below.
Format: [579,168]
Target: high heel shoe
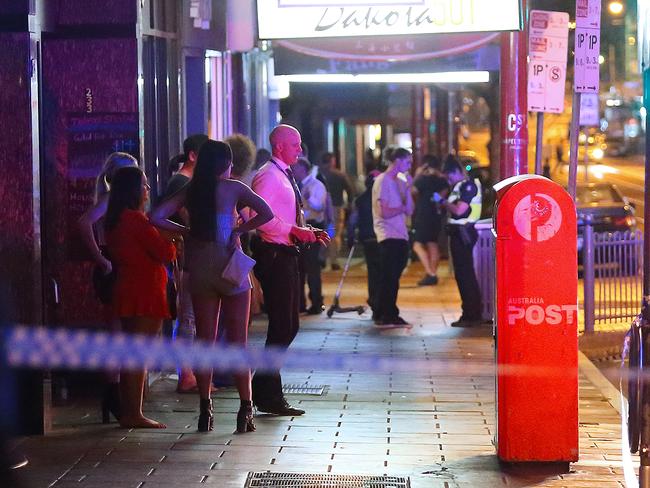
[206,419]
[111,403]
[245,421]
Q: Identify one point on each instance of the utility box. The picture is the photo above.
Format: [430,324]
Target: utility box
[536,321]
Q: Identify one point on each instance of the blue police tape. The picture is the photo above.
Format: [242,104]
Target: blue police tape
[46,348]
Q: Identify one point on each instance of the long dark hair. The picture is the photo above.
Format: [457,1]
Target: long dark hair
[214,159]
[126,192]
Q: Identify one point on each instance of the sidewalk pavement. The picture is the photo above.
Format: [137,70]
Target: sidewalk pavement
[435,431]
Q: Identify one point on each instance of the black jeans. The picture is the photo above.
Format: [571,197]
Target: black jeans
[393,256]
[463,259]
[277,269]
[373,263]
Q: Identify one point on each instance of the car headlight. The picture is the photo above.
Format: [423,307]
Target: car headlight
[597,153]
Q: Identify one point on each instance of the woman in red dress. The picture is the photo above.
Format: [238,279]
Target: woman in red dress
[139,253]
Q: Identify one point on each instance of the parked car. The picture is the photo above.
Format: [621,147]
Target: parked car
[610,212]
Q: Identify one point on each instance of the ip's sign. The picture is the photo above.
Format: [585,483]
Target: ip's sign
[547,48]
[587,46]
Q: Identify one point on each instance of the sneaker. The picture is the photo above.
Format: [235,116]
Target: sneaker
[336,266]
[428,280]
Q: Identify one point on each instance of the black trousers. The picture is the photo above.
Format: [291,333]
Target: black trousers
[310,274]
[373,263]
[393,255]
[463,259]
[277,269]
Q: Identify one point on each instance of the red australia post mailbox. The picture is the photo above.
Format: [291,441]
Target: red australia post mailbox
[536,321]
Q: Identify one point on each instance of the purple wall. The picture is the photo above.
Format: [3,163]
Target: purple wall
[14,7]
[79,75]
[89,12]
[16,217]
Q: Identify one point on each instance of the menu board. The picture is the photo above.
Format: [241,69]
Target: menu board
[91,138]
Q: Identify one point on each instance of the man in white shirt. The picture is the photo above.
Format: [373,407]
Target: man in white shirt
[314,198]
[276,254]
[392,203]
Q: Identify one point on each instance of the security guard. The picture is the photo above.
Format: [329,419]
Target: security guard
[464,209]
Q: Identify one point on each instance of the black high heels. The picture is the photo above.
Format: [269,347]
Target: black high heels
[111,403]
[206,418]
[245,421]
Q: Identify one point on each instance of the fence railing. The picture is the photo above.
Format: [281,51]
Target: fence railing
[613,277]
[612,265]
[484,267]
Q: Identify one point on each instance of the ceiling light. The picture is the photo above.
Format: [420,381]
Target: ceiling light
[443,77]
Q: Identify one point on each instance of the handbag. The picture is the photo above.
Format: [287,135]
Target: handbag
[103,284]
[238,267]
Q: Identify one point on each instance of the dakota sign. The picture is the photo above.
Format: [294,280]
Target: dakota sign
[290,19]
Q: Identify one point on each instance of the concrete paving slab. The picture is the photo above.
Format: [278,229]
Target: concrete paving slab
[436,428]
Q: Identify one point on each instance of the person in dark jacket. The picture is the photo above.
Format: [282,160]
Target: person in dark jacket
[361,221]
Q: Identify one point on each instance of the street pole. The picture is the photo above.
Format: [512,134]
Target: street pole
[586,157]
[644,454]
[514,104]
[539,144]
[417,101]
[573,144]
[451,114]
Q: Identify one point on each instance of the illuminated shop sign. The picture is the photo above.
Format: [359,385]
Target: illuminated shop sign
[290,19]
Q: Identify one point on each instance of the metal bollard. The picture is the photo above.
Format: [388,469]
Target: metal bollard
[588,267]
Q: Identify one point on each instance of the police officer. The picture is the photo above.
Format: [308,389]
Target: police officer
[464,209]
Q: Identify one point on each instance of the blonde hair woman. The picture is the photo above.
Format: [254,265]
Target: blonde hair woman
[91,229]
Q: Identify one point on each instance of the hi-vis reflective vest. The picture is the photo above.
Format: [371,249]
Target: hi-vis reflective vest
[462,190]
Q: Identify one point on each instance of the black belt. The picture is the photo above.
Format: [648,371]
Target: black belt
[272,246]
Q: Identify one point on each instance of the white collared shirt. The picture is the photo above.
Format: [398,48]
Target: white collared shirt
[273,185]
[314,199]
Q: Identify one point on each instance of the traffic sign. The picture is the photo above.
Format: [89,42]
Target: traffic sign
[547,48]
[588,14]
[587,46]
[589,109]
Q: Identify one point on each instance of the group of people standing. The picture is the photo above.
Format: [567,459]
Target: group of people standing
[201,220]
[437,196]
[211,205]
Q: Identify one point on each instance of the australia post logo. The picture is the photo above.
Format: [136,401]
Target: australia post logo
[537,217]
[534,311]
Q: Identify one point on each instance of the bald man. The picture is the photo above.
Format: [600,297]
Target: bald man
[276,254]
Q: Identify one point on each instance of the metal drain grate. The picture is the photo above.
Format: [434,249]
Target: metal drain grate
[295,389]
[267,479]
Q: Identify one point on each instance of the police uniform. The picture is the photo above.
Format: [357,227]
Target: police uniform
[462,237]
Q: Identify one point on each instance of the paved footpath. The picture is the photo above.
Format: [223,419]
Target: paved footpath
[432,430]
